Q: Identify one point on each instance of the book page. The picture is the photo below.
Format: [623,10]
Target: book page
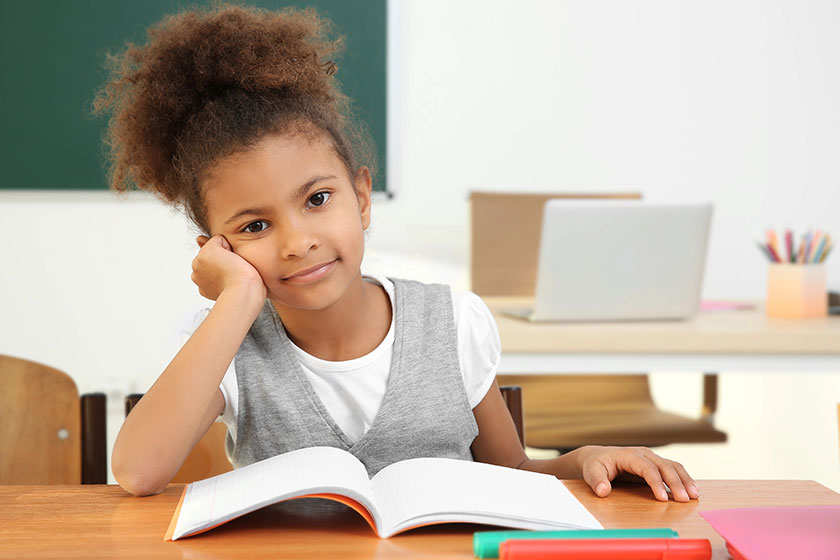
[421,491]
[213,501]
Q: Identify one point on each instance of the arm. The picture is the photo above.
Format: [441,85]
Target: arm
[498,443]
[185,400]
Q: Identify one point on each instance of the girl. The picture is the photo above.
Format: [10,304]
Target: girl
[233,114]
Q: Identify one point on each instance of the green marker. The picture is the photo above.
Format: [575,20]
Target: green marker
[486,543]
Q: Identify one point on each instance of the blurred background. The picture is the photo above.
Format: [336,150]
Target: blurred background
[734,102]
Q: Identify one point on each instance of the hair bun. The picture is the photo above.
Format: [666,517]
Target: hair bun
[253,49]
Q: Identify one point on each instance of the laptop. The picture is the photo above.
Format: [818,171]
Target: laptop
[619,260]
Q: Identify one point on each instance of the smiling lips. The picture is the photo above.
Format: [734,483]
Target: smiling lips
[311,274]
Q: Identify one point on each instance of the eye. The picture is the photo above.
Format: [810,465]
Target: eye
[256,227]
[319,198]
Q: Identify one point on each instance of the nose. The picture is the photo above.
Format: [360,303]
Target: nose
[297,241]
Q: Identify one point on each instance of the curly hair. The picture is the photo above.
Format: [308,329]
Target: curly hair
[213,82]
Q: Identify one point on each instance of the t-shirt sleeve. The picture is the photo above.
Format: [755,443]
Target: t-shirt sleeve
[479,346]
[228,387]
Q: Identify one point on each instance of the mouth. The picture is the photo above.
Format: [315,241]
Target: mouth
[311,274]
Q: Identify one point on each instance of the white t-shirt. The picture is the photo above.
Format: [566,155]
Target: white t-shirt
[352,390]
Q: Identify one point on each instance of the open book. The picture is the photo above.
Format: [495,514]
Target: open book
[401,496]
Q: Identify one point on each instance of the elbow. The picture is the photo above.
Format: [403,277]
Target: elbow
[139,486]
[137,481]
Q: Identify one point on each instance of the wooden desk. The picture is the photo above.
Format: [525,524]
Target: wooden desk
[106,522]
[710,342]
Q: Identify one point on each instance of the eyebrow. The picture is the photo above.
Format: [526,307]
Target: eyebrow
[301,191]
[307,185]
[246,212]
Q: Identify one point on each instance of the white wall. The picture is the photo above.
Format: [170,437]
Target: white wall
[734,102]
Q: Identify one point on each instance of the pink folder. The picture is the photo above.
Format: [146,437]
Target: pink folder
[779,532]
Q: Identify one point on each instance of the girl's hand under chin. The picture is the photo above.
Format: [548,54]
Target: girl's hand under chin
[217,268]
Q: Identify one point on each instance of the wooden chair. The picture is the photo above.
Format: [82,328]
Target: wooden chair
[512,394]
[567,411]
[48,435]
[208,457]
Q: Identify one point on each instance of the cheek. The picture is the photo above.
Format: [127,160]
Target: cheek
[350,233]
[257,255]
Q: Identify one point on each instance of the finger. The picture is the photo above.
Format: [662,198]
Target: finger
[644,467]
[201,240]
[220,241]
[688,482]
[672,479]
[675,476]
[597,476]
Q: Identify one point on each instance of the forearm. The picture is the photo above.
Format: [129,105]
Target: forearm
[566,466]
[175,412]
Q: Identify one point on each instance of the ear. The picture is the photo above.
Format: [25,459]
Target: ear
[362,184]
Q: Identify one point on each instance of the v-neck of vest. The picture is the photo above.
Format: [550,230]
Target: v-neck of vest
[389,386]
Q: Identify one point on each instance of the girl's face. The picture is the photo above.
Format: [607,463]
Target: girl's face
[288,207]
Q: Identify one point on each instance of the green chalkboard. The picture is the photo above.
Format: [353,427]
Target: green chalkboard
[51,65]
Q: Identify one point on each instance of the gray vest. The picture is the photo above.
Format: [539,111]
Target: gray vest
[424,413]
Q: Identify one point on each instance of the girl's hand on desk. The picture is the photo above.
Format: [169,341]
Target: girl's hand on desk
[600,465]
[217,268]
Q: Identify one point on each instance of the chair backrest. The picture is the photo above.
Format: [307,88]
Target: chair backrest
[208,457]
[585,393]
[506,230]
[512,394]
[47,434]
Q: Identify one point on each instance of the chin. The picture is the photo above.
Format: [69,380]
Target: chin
[311,299]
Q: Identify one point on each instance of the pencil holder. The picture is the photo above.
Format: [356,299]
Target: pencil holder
[796,291]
